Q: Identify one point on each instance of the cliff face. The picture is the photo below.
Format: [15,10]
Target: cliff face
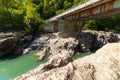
[7,44]
[103,65]
[8,41]
[13,42]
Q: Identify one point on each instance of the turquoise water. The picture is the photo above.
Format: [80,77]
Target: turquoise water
[12,67]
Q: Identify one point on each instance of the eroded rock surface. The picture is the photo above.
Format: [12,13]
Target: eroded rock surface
[13,42]
[103,65]
[8,41]
[85,42]
[22,43]
[7,45]
[49,43]
[93,40]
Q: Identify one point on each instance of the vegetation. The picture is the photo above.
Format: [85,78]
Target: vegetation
[105,24]
[30,15]
[19,15]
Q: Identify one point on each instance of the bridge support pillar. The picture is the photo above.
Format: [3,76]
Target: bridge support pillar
[51,26]
[64,27]
[69,28]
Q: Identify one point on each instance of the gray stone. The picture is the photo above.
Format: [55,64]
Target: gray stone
[23,42]
[93,40]
[7,45]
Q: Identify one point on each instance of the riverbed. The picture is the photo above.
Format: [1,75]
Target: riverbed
[11,67]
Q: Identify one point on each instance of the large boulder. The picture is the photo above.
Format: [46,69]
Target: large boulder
[103,65]
[8,41]
[62,44]
[63,73]
[7,45]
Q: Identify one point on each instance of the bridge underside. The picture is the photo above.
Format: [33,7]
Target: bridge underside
[64,27]
[71,23]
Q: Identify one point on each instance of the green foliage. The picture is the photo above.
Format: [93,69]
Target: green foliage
[19,15]
[11,14]
[105,24]
[91,24]
[30,15]
[49,8]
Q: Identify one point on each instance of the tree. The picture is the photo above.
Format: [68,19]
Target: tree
[32,17]
[11,14]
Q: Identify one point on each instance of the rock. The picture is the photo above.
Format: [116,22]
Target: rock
[7,45]
[59,59]
[41,54]
[56,60]
[103,65]
[35,46]
[22,43]
[93,40]
[87,40]
[113,38]
[101,38]
[6,35]
[12,34]
[54,43]
[68,44]
[118,36]
[25,39]
[9,40]
[26,50]
[64,73]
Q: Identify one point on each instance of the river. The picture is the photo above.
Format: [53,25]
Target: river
[11,67]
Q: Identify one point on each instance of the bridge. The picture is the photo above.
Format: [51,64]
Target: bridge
[71,21]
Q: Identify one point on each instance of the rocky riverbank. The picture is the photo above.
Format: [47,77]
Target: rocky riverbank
[19,43]
[103,65]
[60,65]
[85,42]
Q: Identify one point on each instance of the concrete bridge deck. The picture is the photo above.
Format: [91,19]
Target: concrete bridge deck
[87,5]
[71,20]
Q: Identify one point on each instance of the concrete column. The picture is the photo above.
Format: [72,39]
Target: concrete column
[69,28]
[51,26]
